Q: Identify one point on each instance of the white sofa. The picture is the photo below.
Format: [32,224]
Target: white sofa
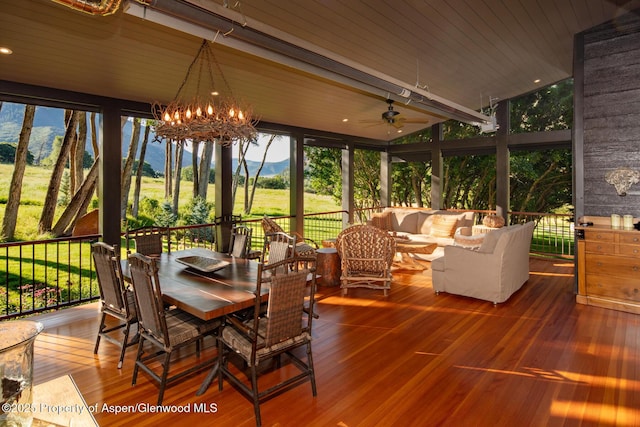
[493,272]
[425,226]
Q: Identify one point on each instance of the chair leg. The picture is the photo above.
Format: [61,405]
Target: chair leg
[312,373]
[138,357]
[100,329]
[256,398]
[125,342]
[163,378]
[222,363]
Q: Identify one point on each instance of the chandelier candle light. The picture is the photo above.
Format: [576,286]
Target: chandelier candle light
[209,117]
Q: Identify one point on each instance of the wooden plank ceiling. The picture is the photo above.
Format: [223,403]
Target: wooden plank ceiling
[465,51]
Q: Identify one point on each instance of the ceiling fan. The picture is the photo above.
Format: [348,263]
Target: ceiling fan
[394,118]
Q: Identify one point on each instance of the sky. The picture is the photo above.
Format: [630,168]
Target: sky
[278,151]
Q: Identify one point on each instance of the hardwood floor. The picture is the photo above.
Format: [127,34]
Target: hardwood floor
[412,358]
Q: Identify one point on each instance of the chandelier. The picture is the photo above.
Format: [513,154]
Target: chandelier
[206,116]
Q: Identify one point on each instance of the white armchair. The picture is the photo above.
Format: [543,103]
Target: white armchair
[493,272]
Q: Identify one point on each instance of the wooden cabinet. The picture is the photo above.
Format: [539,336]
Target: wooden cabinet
[608,267]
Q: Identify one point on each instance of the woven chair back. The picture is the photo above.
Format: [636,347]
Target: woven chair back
[365,248]
[108,271]
[285,308]
[146,287]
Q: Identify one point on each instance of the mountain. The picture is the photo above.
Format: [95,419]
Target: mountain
[49,123]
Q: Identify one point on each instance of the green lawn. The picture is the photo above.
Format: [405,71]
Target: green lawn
[269,202]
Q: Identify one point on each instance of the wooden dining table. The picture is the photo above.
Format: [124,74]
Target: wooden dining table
[206,295]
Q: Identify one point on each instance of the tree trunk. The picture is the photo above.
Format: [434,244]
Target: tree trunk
[205,169]
[78,153]
[176,177]
[242,152]
[13,201]
[143,153]
[194,162]
[79,199]
[249,200]
[128,167]
[168,163]
[51,199]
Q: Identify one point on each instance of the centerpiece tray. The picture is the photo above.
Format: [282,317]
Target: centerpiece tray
[201,263]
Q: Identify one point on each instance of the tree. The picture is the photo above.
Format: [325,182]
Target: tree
[168,164]
[128,167]
[249,200]
[13,201]
[176,178]
[48,210]
[78,204]
[205,169]
[8,154]
[76,158]
[140,168]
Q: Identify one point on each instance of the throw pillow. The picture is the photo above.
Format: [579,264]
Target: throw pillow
[493,221]
[443,225]
[382,220]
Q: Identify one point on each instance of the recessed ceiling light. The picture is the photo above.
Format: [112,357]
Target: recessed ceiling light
[399,130]
[536,81]
[345,120]
[5,51]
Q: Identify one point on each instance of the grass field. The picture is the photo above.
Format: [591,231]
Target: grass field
[34,277]
[269,202]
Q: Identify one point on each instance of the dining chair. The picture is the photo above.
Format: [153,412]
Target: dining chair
[165,331]
[240,244]
[148,240]
[278,246]
[304,246]
[285,327]
[366,254]
[117,300]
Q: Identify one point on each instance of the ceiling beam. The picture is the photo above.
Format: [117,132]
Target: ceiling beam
[239,32]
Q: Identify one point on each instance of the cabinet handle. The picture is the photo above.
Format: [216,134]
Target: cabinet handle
[635,239]
[635,251]
[635,268]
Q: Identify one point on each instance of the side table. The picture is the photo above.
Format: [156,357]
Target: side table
[328,266]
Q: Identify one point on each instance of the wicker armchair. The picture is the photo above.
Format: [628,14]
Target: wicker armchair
[304,247]
[366,253]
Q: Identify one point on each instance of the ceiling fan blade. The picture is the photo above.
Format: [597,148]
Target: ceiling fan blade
[424,121]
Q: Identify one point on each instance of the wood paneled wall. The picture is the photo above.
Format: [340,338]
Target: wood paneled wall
[611,113]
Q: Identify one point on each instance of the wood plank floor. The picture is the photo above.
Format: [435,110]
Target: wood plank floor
[410,359]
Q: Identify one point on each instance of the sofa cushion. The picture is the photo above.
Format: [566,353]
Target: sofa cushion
[443,225]
[425,219]
[405,220]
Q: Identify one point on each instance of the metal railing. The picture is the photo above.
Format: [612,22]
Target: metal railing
[46,274]
[50,274]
